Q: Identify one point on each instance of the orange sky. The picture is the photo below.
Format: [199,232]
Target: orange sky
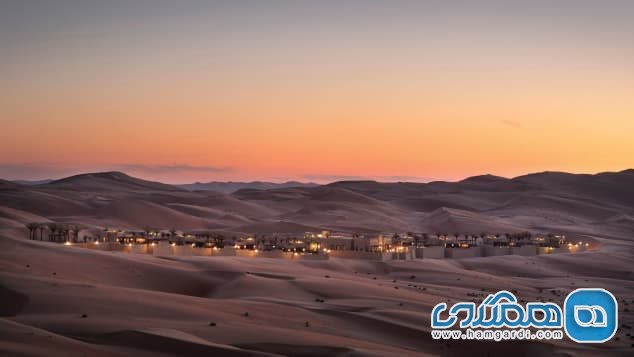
[383,97]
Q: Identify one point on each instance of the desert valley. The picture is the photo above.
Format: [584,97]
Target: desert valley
[316,178]
[75,301]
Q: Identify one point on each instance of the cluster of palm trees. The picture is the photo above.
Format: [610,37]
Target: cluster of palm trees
[210,238]
[215,239]
[56,232]
[427,239]
[511,238]
[276,242]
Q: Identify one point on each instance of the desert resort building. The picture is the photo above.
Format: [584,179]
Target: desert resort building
[310,245]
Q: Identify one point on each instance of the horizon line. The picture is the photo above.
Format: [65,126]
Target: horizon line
[309,182]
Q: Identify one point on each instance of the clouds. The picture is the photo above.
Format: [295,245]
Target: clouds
[11,171]
[176,173]
[168,169]
[34,171]
[512,123]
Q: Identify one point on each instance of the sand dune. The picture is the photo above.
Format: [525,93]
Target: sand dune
[115,303]
[531,201]
[449,220]
[153,214]
[108,180]
[64,300]
[230,187]
[276,227]
[20,216]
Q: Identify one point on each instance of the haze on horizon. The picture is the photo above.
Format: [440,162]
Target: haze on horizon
[315,91]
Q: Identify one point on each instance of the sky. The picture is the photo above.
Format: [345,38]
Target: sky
[184,91]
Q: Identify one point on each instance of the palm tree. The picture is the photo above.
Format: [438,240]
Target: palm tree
[147,231]
[220,242]
[75,229]
[66,232]
[173,234]
[32,227]
[40,227]
[53,227]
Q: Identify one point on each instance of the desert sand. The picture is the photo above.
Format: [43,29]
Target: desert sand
[60,300]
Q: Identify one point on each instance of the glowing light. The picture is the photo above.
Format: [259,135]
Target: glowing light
[67,243]
[587,244]
[172,244]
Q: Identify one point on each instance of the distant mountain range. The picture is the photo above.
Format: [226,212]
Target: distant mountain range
[230,187]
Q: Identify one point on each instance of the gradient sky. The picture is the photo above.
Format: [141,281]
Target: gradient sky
[185,91]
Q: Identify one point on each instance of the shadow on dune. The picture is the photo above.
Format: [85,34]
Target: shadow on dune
[273,276]
[170,342]
[502,348]
[299,350]
[413,338]
[13,302]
